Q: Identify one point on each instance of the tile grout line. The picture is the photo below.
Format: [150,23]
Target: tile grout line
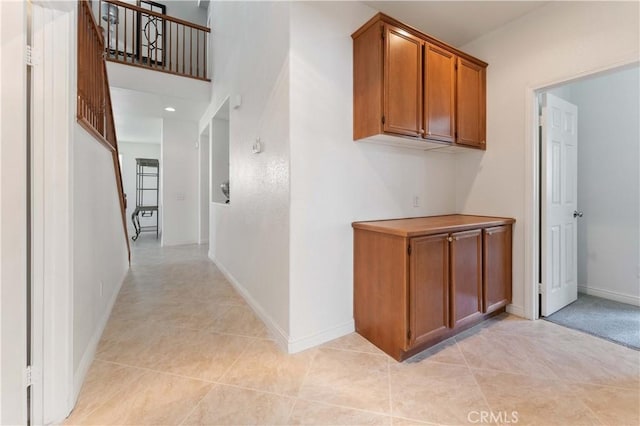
[329,404]
[208,330]
[302,383]
[166,373]
[315,401]
[378,354]
[246,349]
[298,398]
[197,404]
[475,380]
[378,413]
[568,384]
[256,390]
[555,378]
[98,406]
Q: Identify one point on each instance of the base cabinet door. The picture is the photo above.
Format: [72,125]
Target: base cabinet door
[497,268]
[466,277]
[429,288]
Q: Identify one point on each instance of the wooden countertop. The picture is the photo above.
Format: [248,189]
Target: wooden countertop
[413,227]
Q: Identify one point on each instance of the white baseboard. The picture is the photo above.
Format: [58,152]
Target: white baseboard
[90,352]
[282,338]
[516,310]
[277,333]
[179,243]
[611,295]
[315,339]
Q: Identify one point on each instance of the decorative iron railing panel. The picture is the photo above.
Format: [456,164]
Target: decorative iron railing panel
[145,36]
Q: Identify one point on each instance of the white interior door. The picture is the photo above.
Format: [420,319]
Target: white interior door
[559,204]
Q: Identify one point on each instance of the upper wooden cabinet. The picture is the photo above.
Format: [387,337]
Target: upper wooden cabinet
[403,74]
[439,93]
[470,104]
[414,90]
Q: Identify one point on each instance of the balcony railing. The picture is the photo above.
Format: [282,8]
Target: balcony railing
[135,35]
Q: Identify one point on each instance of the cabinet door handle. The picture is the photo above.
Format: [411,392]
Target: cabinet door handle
[490,232]
[450,239]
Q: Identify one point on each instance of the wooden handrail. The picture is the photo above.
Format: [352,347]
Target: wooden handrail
[146,38]
[94,110]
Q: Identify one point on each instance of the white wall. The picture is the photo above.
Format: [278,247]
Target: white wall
[186,10]
[608,187]
[553,43]
[131,151]
[335,181]
[100,256]
[157,83]
[249,238]
[13,213]
[179,182]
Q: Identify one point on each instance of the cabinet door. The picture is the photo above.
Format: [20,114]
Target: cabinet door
[466,276]
[470,104]
[429,288]
[439,94]
[403,83]
[497,268]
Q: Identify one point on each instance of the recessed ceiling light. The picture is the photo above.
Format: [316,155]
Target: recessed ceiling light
[170,109]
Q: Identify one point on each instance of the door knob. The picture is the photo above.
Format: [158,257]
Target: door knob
[577,214]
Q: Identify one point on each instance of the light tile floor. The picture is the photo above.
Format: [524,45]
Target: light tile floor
[181,347]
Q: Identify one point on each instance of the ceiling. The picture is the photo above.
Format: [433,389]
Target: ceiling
[455,22]
[138,115]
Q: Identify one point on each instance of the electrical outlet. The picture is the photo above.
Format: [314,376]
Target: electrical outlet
[101,288]
[416,201]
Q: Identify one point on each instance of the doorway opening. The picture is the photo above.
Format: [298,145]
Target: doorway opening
[204,177]
[588,204]
[220,142]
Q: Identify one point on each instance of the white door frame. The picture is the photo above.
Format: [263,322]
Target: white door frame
[53,115]
[532,179]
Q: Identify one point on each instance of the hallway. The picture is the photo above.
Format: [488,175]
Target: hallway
[182,347]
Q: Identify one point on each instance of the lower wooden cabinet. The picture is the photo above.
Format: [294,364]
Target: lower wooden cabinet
[429,286]
[497,268]
[419,281]
[466,277]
